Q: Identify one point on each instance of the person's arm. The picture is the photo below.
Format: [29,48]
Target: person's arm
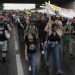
[22,26]
[7,31]
[18,20]
[48,27]
[26,54]
[25,50]
[36,33]
[60,32]
[26,31]
[9,27]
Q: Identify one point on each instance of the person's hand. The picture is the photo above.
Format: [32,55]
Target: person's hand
[22,26]
[26,57]
[42,52]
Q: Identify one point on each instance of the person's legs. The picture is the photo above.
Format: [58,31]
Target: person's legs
[46,54]
[33,64]
[4,51]
[57,57]
[29,61]
[50,57]
[47,51]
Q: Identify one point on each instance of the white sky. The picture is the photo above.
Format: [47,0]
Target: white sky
[18,6]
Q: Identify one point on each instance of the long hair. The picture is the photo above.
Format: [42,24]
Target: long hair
[54,26]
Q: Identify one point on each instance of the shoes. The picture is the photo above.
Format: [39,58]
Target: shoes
[60,72]
[42,52]
[29,68]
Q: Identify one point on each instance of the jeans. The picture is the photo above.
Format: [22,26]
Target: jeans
[54,49]
[32,62]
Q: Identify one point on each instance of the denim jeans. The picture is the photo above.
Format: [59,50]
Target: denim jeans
[54,49]
[32,62]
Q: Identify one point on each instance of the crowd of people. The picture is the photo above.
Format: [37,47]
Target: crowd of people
[49,34]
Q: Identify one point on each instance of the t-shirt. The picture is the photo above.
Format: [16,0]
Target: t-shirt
[54,38]
[68,27]
[31,44]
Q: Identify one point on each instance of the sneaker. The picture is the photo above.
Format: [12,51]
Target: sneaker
[60,73]
[42,52]
[29,68]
